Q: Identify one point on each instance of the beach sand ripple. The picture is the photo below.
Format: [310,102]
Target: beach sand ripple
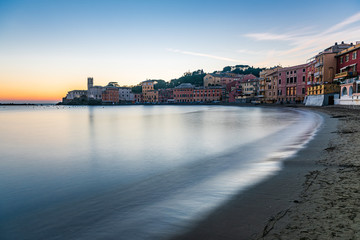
[329,204]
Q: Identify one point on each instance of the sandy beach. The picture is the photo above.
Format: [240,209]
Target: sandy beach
[315,196]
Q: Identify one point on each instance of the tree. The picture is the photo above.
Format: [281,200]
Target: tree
[226,69]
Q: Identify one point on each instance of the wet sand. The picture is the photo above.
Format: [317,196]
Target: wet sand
[315,196]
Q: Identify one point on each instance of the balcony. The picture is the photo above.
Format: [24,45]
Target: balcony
[317,74]
[309,83]
[319,64]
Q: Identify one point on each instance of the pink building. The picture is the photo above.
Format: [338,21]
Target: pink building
[292,84]
[310,70]
[348,71]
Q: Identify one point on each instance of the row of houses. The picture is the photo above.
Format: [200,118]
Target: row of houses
[330,77]
[109,94]
[217,88]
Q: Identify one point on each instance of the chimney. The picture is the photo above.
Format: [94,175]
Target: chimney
[342,42]
[335,43]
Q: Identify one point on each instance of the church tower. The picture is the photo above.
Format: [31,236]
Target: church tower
[90,82]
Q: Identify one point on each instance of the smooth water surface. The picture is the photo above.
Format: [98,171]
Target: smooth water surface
[134,172]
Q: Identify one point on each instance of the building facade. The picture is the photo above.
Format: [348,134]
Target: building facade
[149,94]
[166,95]
[292,84]
[324,73]
[184,93]
[110,95]
[210,94]
[348,71]
[125,94]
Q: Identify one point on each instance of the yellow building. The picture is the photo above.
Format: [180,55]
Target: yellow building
[268,85]
[150,95]
[212,80]
[326,88]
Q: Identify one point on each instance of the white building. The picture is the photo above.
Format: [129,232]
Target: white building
[94,92]
[125,94]
[75,94]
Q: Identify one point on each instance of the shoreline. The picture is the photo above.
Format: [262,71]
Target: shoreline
[259,212]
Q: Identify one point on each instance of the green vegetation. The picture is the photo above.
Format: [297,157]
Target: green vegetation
[197,77]
[243,69]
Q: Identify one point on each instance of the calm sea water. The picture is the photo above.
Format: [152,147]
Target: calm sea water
[134,172]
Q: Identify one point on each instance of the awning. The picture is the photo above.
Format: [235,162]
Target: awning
[348,66]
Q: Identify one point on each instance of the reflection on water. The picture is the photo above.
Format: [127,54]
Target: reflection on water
[134,172]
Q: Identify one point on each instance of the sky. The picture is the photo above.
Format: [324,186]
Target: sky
[49,47]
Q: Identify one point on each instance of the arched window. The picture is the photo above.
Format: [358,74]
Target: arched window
[344,91]
[350,91]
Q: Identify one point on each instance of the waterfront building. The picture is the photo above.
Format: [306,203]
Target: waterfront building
[249,91]
[125,94]
[292,84]
[184,93]
[271,83]
[310,70]
[149,94]
[110,94]
[267,92]
[166,95]
[210,94]
[233,90]
[95,92]
[324,74]
[261,95]
[71,95]
[348,71]
[138,98]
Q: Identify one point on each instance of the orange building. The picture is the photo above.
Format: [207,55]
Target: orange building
[110,95]
[184,93]
[210,94]
[149,94]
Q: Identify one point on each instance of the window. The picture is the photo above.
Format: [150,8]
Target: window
[291,80]
[287,73]
[294,79]
[354,55]
[347,57]
[290,72]
[279,74]
[303,91]
[295,71]
[287,80]
[279,81]
[341,60]
[304,78]
[303,69]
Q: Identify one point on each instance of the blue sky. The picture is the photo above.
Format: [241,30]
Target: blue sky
[58,44]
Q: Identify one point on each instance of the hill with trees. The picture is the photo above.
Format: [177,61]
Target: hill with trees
[197,77]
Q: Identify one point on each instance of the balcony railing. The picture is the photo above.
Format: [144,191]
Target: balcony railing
[317,74]
[318,64]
